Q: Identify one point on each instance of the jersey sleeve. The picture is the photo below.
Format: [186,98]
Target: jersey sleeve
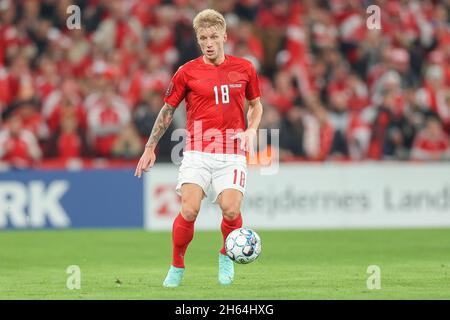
[176,90]
[252,91]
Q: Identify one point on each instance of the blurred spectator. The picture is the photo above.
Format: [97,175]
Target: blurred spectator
[325,134]
[306,114]
[432,143]
[153,77]
[185,41]
[284,94]
[128,144]
[339,118]
[433,93]
[19,77]
[68,92]
[32,119]
[18,146]
[292,134]
[47,78]
[69,140]
[386,139]
[78,56]
[117,27]
[107,116]
[244,43]
[444,111]
[247,9]
[67,109]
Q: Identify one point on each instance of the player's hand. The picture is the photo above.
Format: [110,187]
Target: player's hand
[146,162]
[247,139]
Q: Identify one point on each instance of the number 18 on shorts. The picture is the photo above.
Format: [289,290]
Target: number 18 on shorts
[213,172]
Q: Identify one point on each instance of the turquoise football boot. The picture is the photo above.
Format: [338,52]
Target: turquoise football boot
[174,277]
[226,270]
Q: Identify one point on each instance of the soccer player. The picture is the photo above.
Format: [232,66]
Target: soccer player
[214,86]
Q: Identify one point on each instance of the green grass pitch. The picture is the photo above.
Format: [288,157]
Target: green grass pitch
[131,264]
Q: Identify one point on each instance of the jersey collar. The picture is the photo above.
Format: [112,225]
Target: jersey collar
[212,65]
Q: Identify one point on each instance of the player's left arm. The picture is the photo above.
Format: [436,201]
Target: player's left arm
[254,115]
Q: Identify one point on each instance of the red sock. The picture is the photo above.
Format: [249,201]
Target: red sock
[182,234]
[227,226]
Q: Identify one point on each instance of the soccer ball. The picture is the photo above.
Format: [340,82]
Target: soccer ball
[243,245]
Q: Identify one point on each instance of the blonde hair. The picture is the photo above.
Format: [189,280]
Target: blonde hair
[209,18]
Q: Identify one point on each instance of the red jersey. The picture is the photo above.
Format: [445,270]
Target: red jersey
[215,97]
[438,145]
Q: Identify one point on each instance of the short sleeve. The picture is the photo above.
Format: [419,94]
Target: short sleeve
[176,90]
[252,91]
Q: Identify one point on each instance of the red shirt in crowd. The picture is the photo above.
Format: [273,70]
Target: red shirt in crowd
[21,149]
[430,147]
[69,145]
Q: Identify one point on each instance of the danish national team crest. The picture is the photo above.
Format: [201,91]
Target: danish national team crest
[234,76]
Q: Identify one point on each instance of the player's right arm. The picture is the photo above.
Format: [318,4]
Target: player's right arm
[174,95]
[162,122]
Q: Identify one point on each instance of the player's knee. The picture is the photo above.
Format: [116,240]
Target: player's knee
[189,213]
[230,212]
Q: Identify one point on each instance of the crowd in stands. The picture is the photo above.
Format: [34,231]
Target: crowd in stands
[334,88]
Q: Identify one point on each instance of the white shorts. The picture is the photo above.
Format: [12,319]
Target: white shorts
[219,171]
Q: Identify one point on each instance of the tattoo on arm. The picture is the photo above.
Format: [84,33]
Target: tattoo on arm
[162,122]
